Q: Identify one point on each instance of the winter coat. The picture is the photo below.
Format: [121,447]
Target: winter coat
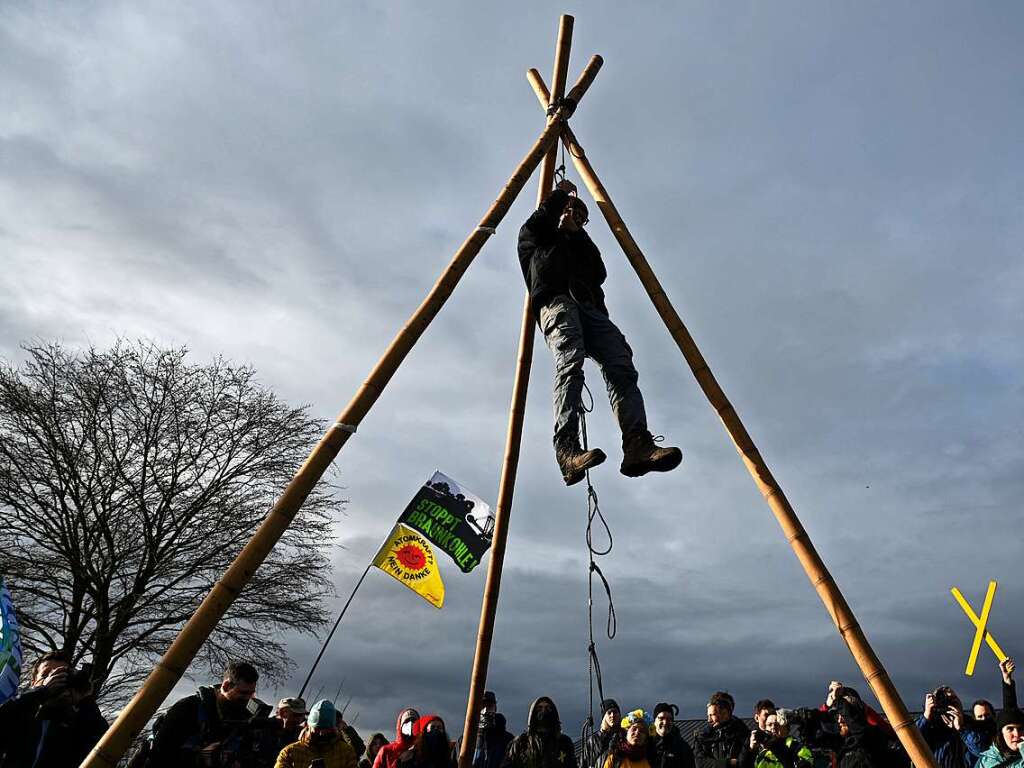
[622,761]
[351,737]
[595,752]
[952,748]
[556,262]
[62,736]
[389,753]
[993,758]
[301,754]
[670,751]
[536,749]
[193,733]
[714,746]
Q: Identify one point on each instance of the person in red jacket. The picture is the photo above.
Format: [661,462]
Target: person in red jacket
[404,735]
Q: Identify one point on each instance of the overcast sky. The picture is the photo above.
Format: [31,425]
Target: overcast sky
[830,193]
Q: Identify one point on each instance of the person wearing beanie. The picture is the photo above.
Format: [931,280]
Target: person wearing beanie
[492,736]
[720,743]
[667,748]
[595,751]
[629,750]
[320,741]
[1007,750]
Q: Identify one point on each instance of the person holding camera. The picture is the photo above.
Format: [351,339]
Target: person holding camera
[771,746]
[224,725]
[320,744]
[56,722]
[956,740]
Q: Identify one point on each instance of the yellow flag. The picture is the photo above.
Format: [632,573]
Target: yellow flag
[408,557]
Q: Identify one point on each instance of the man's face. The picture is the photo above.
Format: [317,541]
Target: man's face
[771,725]
[573,218]
[717,714]
[611,719]
[761,717]
[636,734]
[663,723]
[289,718]
[982,712]
[237,693]
[1014,735]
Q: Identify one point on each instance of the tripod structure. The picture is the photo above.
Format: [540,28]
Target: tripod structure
[559,108]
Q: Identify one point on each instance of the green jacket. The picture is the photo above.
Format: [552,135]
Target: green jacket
[993,758]
[767,759]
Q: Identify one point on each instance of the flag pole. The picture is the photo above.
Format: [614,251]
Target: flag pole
[330,634]
[513,440]
[826,587]
[172,666]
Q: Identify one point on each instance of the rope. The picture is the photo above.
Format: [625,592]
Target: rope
[594,513]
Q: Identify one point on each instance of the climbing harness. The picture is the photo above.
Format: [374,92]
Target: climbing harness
[593,551]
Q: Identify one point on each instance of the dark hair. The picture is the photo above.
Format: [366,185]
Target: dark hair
[51,656]
[764,704]
[575,202]
[241,671]
[722,699]
[984,703]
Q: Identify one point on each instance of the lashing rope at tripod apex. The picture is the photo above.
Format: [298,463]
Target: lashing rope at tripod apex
[594,512]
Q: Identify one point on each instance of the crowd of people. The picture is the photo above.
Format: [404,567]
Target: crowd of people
[56,722]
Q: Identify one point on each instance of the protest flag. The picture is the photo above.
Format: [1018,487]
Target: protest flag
[10,646]
[409,558]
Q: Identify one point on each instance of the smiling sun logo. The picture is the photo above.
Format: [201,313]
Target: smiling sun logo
[412,557]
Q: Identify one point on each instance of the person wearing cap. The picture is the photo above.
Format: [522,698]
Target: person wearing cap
[596,752]
[291,715]
[319,741]
[492,737]
[666,747]
[720,743]
[564,272]
[629,750]
[1007,750]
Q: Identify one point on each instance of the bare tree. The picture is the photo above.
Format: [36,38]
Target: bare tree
[129,480]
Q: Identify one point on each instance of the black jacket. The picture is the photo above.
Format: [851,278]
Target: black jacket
[555,262]
[535,749]
[491,744]
[715,745]
[62,735]
[598,746]
[669,751]
[194,724]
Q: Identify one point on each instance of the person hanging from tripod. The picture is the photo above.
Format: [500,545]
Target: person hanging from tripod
[564,273]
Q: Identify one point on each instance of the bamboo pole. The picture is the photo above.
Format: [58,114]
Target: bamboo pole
[826,587]
[183,650]
[513,440]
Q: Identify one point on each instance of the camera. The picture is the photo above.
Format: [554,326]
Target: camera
[942,699]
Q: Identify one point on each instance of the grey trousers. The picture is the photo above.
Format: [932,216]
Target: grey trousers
[573,332]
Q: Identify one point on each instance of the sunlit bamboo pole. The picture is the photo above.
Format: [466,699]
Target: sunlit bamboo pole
[826,587]
[183,650]
[510,464]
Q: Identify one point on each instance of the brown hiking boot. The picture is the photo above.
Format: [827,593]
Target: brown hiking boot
[574,461]
[640,455]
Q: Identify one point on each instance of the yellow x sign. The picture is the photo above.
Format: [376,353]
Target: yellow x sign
[980,624]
